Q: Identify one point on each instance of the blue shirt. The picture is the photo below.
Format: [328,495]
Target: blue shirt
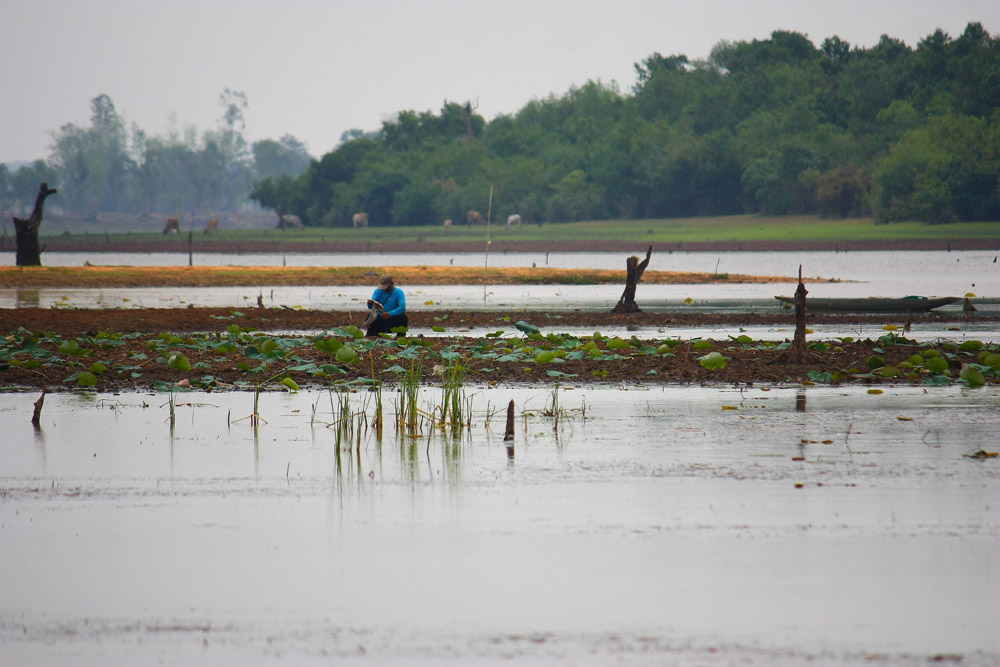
[394,302]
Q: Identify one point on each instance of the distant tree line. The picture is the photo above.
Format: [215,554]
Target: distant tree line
[109,168]
[775,126]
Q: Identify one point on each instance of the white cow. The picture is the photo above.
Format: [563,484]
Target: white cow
[360,220]
[514,221]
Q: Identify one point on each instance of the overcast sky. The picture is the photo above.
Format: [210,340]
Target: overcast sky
[315,68]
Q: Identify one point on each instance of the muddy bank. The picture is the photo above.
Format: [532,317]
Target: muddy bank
[229,276]
[155,320]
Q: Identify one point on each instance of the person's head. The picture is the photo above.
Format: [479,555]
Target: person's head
[385,282]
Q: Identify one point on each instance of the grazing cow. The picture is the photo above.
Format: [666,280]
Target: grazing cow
[290,222]
[212,226]
[173,226]
[447,224]
[473,218]
[360,220]
[514,221]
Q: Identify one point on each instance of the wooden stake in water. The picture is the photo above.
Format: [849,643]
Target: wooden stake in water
[486,267]
[36,417]
[509,432]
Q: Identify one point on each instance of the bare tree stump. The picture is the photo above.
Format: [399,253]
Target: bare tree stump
[28,251]
[798,352]
[634,269]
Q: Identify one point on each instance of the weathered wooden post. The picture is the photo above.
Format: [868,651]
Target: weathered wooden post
[797,351]
[508,435]
[634,269]
[36,417]
[509,432]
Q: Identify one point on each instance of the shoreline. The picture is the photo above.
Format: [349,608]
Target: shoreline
[83,321]
[102,243]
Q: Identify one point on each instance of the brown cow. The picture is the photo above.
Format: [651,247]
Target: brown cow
[447,224]
[473,218]
[212,226]
[173,226]
[360,220]
[288,221]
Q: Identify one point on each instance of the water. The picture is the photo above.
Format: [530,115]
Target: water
[859,274]
[652,526]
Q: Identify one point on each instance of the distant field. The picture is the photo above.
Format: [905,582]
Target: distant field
[730,228]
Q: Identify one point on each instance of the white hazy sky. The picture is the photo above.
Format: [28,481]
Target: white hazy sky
[315,68]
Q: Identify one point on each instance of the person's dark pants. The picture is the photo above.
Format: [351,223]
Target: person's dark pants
[386,325]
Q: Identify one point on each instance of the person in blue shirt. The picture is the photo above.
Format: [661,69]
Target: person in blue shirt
[392,313]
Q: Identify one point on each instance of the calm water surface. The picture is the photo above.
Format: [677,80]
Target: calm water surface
[659,525]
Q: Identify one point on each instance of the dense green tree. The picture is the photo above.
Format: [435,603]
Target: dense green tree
[776,125]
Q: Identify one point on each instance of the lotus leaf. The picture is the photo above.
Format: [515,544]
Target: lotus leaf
[526,328]
[347,355]
[178,362]
[545,356]
[972,375]
[936,365]
[69,347]
[713,360]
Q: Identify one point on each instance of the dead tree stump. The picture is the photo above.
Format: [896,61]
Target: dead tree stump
[634,269]
[798,352]
[28,251]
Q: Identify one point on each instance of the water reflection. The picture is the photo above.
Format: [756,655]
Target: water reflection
[28,298]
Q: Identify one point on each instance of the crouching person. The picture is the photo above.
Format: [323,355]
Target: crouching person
[387,308]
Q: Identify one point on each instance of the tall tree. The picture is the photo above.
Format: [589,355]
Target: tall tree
[92,161]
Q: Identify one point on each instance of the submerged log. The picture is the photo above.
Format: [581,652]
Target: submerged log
[28,251]
[634,269]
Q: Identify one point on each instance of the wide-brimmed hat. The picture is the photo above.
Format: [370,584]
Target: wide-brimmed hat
[385,280]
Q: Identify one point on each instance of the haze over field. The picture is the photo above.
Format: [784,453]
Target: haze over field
[316,69]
